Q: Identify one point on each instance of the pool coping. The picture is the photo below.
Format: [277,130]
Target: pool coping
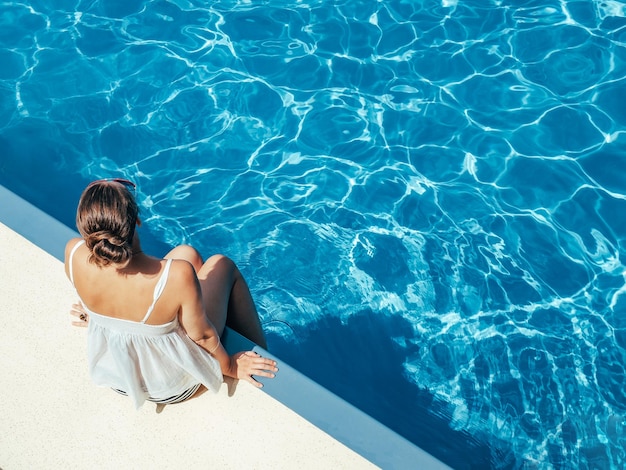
[336,418]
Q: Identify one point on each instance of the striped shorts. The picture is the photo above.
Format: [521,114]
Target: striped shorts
[167,401]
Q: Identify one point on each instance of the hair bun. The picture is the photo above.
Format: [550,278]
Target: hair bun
[107,248]
[106,218]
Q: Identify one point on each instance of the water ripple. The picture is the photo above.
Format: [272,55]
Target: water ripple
[435,186]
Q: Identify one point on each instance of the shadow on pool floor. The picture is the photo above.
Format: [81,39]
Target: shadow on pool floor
[364,366]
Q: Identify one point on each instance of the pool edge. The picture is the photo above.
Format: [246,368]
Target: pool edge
[320,407]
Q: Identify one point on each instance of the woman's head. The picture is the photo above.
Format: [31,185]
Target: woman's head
[106,218]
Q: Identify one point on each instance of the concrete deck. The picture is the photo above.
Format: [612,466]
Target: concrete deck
[52,416]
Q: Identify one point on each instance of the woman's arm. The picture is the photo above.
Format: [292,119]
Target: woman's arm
[242,365]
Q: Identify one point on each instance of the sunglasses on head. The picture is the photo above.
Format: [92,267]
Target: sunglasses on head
[132,187]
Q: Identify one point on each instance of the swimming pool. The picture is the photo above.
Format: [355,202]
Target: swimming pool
[427,198]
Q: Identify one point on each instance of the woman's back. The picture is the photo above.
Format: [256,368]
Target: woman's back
[126,293]
[130,348]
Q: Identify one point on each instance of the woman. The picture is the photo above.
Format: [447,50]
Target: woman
[154,325]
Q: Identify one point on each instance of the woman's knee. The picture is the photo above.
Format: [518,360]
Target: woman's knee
[222,262]
[221,265]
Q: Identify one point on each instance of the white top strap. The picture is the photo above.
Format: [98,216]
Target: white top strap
[158,289]
[70,261]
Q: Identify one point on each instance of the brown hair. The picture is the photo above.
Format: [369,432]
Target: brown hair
[106,218]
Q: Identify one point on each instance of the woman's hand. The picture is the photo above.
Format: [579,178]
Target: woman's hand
[79,312]
[244,365]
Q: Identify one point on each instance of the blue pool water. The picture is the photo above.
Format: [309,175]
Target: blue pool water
[427,197]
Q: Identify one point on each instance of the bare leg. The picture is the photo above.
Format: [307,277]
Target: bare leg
[242,313]
[225,294]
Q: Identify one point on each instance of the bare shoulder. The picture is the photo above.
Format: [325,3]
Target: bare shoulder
[182,272]
[183,281]
[68,249]
[69,246]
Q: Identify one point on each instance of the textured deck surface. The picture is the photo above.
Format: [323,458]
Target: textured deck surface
[53,417]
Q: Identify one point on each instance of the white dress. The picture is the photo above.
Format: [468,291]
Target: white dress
[146,361]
